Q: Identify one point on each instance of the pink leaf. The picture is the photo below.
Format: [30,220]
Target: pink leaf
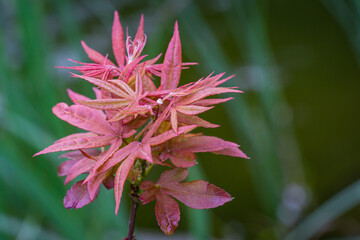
[105,85]
[109,182]
[114,147]
[83,117]
[94,184]
[207,102]
[82,166]
[118,156]
[140,32]
[120,178]
[173,176]
[118,41]
[105,104]
[144,152]
[76,96]
[173,119]
[77,196]
[149,193]
[192,109]
[167,213]
[198,194]
[171,71]
[64,167]
[209,144]
[180,159]
[78,155]
[95,56]
[195,120]
[78,143]
[205,93]
[161,138]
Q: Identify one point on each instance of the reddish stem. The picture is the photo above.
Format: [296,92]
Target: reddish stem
[134,206]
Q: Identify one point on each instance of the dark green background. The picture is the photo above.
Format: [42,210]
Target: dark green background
[298,63]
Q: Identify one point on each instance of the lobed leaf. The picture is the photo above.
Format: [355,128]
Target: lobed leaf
[198,194]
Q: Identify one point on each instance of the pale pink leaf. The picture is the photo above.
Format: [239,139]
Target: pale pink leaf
[118,42]
[195,120]
[124,86]
[198,194]
[148,196]
[82,166]
[77,155]
[115,145]
[83,117]
[170,75]
[105,85]
[173,119]
[205,93]
[208,102]
[208,144]
[163,137]
[64,167]
[78,196]
[192,109]
[172,176]
[95,56]
[105,104]
[76,96]
[97,92]
[144,152]
[120,178]
[167,213]
[180,159]
[78,143]
[94,184]
[116,158]
[140,31]
[232,151]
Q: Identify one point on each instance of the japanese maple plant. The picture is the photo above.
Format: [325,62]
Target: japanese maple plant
[134,125]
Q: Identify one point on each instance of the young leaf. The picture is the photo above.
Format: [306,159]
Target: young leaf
[198,194]
[78,196]
[118,42]
[171,71]
[83,117]
[80,142]
[167,213]
[120,178]
[95,56]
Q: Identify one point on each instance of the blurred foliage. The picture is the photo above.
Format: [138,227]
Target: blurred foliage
[298,63]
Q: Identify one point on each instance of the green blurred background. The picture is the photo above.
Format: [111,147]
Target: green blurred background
[298,63]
